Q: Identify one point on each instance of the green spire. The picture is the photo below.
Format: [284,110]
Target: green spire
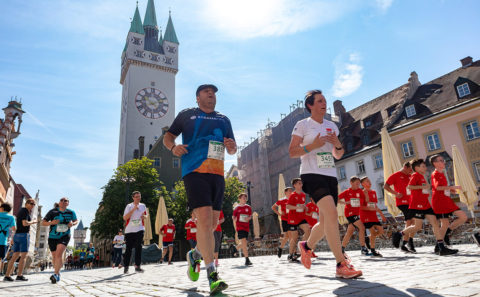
[170,31]
[136,24]
[150,15]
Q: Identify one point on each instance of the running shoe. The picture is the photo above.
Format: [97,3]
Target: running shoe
[396,238]
[21,278]
[217,285]
[53,279]
[305,255]
[8,279]
[404,249]
[446,251]
[138,269]
[247,262]
[376,254]
[193,270]
[279,253]
[125,270]
[364,251]
[476,238]
[313,255]
[345,270]
[412,249]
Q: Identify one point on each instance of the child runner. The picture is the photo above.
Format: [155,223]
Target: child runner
[242,214]
[280,208]
[296,217]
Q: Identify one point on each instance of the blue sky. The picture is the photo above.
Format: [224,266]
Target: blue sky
[63,58]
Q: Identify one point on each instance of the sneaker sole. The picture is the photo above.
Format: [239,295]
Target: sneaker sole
[188,269]
[53,279]
[349,276]
[221,287]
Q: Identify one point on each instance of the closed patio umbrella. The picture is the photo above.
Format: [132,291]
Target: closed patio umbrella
[281,194]
[161,219]
[391,164]
[463,178]
[147,236]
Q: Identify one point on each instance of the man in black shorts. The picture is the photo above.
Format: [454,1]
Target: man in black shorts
[60,220]
[206,134]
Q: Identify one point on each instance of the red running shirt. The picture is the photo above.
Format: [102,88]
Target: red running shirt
[169,231]
[283,206]
[419,198]
[354,197]
[191,233]
[400,180]
[241,213]
[367,216]
[441,201]
[295,216]
[313,209]
[219,226]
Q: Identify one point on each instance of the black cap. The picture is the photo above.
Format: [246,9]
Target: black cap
[201,87]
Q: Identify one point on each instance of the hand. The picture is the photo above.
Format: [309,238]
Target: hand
[427,186]
[54,222]
[399,195]
[319,141]
[135,207]
[230,144]
[70,224]
[33,222]
[180,150]
[333,139]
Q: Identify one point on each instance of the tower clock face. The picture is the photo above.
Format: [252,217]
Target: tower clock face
[151,103]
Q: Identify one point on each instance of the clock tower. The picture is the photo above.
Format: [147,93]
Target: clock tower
[149,66]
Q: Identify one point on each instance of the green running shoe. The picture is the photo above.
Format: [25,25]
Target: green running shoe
[216,285]
[193,271]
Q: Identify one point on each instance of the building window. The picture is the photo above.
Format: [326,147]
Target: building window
[342,174]
[407,149]
[156,162]
[463,90]
[378,161]
[360,167]
[433,142]
[41,245]
[176,163]
[410,110]
[476,169]
[349,146]
[471,130]
[366,139]
[367,123]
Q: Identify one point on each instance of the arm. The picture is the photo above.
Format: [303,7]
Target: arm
[72,223]
[389,189]
[230,145]
[169,143]
[275,209]
[221,220]
[337,150]
[420,187]
[127,216]
[296,150]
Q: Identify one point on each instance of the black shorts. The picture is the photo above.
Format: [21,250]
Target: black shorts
[242,234]
[3,251]
[167,244]
[284,226]
[52,242]
[319,186]
[444,215]
[406,212]
[352,219]
[421,213]
[204,189]
[369,225]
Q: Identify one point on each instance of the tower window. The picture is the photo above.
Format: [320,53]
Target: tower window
[410,110]
[463,90]
[176,163]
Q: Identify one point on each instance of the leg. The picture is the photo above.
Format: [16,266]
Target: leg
[412,229]
[293,235]
[284,239]
[164,252]
[11,263]
[444,222]
[348,235]
[138,248]
[243,244]
[361,232]
[129,241]
[461,219]
[205,227]
[432,219]
[306,231]
[318,231]
[170,253]
[59,258]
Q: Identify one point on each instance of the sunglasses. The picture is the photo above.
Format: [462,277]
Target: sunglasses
[32,203]
[64,200]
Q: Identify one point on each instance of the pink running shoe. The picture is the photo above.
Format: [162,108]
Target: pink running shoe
[306,255]
[346,270]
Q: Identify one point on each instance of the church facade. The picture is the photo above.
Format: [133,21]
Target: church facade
[148,68]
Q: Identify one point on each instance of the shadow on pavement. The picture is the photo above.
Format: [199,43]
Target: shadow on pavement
[108,278]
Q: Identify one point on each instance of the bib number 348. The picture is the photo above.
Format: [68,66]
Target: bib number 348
[325,160]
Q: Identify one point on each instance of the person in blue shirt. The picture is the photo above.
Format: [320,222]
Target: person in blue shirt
[90,255]
[60,219]
[7,226]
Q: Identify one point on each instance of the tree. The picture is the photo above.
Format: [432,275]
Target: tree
[135,175]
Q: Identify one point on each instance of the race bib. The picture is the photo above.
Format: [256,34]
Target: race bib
[193,230]
[216,150]
[169,230]
[425,191]
[299,209]
[135,223]
[447,193]
[325,160]
[355,202]
[371,204]
[315,215]
[62,228]
[243,218]
[409,192]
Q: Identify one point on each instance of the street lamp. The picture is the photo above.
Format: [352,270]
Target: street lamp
[127,180]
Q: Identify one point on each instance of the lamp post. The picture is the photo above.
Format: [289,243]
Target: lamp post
[127,180]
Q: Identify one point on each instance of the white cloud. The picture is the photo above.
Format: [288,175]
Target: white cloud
[253,18]
[348,76]
[383,5]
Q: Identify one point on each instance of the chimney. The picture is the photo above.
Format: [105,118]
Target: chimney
[413,84]
[141,145]
[338,108]
[466,61]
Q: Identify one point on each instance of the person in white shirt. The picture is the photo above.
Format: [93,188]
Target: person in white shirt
[134,215]
[118,242]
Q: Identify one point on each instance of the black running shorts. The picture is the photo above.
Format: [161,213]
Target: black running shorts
[421,213]
[242,234]
[204,189]
[406,211]
[444,215]
[352,219]
[53,242]
[319,186]
[284,226]
[369,225]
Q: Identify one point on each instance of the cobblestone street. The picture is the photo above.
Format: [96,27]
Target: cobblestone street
[396,274]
